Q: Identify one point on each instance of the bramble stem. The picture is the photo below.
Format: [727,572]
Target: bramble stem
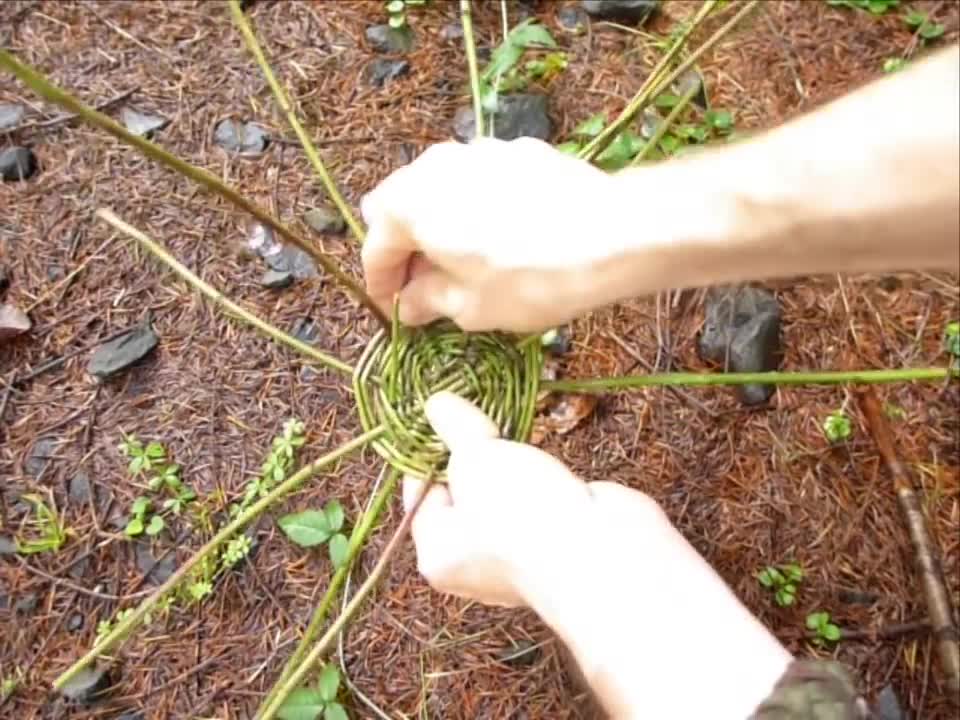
[219,298]
[297,677]
[828,377]
[357,538]
[47,90]
[240,20]
[226,533]
[665,125]
[466,19]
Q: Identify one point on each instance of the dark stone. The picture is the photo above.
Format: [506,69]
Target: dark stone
[79,489]
[17,163]
[325,220]
[142,124]
[276,280]
[8,546]
[238,137]
[75,622]
[452,31]
[40,454]
[383,70]
[10,115]
[650,123]
[79,568]
[27,603]
[887,706]
[124,351]
[55,272]
[386,39]
[87,685]
[747,322]
[520,115]
[557,341]
[857,597]
[523,653]
[157,572]
[13,322]
[279,257]
[306,331]
[691,80]
[624,11]
[571,18]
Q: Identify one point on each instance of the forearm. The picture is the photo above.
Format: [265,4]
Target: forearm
[868,183]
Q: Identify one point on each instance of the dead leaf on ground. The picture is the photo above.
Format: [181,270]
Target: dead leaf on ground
[564,415]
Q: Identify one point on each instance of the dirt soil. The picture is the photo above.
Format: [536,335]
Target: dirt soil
[747,487]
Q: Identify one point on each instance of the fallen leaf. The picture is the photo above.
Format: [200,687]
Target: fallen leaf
[563,416]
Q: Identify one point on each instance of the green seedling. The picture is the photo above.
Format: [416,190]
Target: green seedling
[142,458]
[837,427]
[139,522]
[877,7]
[502,73]
[52,532]
[105,627]
[311,528]
[894,64]
[894,411]
[275,468]
[10,683]
[951,341]
[310,703]
[921,23]
[397,11]
[783,581]
[825,631]
[237,549]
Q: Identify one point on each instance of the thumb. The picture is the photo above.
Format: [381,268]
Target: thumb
[458,422]
[431,293]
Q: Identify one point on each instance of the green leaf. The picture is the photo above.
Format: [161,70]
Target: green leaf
[334,512]
[765,578]
[571,147]
[831,632]
[140,506]
[670,144]
[530,34]
[155,525]
[155,482]
[302,704]
[620,151]
[837,427]
[395,6]
[666,100]
[931,31]
[339,547]
[307,528]
[134,527]
[397,21]
[814,620]
[591,127]
[793,572]
[329,682]
[894,64]
[335,711]
[951,338]
[155,451]
[915,18]
[719,119]
[136,465]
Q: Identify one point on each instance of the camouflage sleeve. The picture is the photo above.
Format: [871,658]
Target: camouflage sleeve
[813,690]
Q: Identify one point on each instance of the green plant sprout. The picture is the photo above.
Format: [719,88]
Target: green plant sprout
[142,459]
[310,703]
[921,23]
[502,74]
[500,373]
[951,342]
[877,7]
[10,682]
[837,426]
[397,11]
[783,581]
[310,528]
[275,467]
[52,532]
[894,64]
[138,523]
[824,630]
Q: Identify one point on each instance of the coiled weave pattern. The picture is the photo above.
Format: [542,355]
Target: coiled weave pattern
[393,380]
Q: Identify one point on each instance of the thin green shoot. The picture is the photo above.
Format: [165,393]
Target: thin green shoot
[824,630]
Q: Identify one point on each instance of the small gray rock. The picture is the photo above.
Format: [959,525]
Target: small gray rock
[691,80]
[556,341]
[572,18]
[10,115]
[452,31]
[523,653]
[75,622]
[276,280]
[306,331]
[87,685]
[26,604]
[279,257]
[625,11]
[238,137]
[17,163]
[8,546]
[888,706]
[142,124]
[386,39]
[520,115]
[55,272]
[747,322]
[383,70]
[41,453]
[79,491]
[122,352]
[156,572]
[650,123]
[325,220]
[13,322]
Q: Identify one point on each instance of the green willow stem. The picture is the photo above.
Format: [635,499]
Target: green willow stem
[665,125]
[240,20]
[124,627]
[219,298]
[650,88]
[357,539]
[466,19]
[47,90]
[829,377]
[297,678]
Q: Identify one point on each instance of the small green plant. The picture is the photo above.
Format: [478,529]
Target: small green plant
[877,7]
[10,683]
[150,461]
[824,630]
[894,411]
[951,341]
[310,528]
[310,703]
[105,627]
[397,11]
[275,468]
[503,73]
[894,64]
[237,549]
[837,426]
[921,22]
[142,458]
[139,524]
[52,532]
[783,581]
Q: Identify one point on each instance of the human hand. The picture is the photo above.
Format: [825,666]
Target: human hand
[477,233]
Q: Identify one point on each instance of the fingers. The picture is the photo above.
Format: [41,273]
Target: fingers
[458,422]
[431,293]
[386,255]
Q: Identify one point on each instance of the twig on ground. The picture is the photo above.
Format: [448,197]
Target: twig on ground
[68,117]
[928,559]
